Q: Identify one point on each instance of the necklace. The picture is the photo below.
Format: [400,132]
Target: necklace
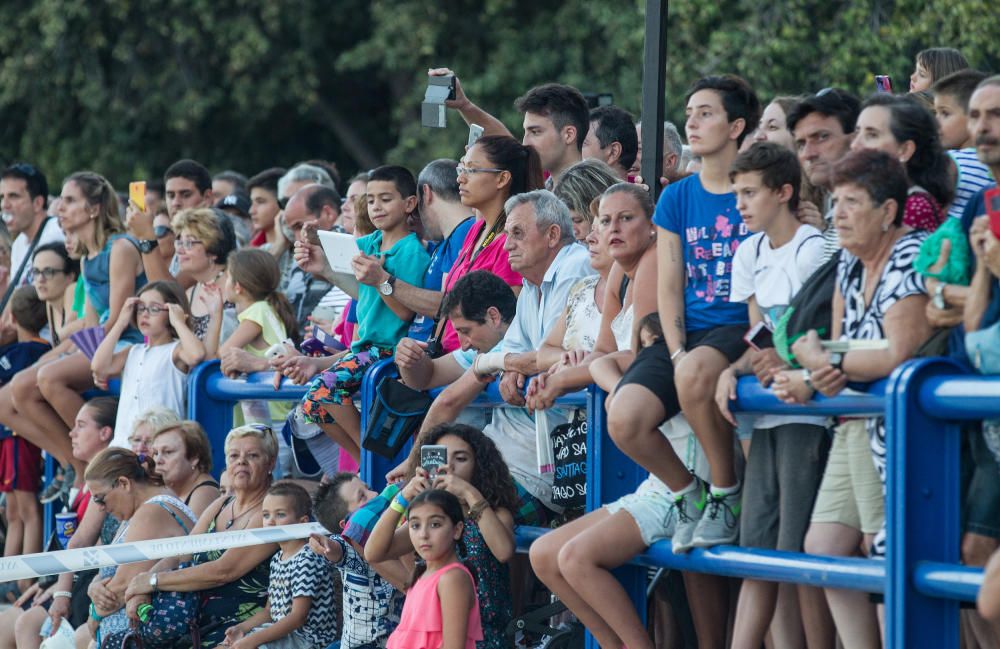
[235,517]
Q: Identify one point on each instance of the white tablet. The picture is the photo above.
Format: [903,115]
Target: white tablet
[340,249]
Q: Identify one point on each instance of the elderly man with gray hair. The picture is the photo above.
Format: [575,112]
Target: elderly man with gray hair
[541,247]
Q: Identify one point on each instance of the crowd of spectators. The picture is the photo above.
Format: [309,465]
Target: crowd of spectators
[814,243]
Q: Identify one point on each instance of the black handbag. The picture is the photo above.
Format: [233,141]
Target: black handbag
[395,415]
[810,308]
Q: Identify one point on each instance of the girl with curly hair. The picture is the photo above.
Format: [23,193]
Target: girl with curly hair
[478,476]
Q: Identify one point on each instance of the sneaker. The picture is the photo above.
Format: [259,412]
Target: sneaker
[53,490]
[721,523]
[689,509]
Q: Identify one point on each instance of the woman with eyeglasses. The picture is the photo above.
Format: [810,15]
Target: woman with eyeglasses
[232,583]
[113,271]
[128,488]
[495,168]
[53,274]
[67,598]
[205,239]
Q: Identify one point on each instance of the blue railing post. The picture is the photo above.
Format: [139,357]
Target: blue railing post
[214,415]
[922,508]
[610,475]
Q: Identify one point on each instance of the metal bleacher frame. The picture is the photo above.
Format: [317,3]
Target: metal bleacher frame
[924,402]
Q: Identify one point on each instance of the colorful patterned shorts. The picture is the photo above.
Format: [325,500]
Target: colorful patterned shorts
[337,385]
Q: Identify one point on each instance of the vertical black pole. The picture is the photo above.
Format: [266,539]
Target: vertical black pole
[654,73]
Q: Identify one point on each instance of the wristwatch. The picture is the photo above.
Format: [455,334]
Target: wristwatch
[836,359]
[147,246]
[152,582]
[938,299]
[807,379]
[385,288]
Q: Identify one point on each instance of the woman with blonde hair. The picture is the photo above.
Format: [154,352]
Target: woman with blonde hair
[112,269]
[232,583]
[205,239]
[144,427]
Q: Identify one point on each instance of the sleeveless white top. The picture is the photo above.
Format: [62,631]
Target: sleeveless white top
[149,379]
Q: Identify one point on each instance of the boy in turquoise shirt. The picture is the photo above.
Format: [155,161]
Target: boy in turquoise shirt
[382,320]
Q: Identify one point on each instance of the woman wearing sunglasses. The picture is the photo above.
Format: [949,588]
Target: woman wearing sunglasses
[128,488]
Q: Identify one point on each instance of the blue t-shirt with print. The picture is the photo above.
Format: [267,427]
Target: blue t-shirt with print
[710,229]
[443,257]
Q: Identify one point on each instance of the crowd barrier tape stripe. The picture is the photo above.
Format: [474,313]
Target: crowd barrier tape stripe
[29,566]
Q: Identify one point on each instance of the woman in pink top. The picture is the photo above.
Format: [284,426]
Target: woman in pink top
[441,608]
[494,169]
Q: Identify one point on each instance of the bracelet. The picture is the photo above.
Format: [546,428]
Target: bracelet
[680,350]
[477,510]
[396,507]
[403,502]
[62,593]
[93,613]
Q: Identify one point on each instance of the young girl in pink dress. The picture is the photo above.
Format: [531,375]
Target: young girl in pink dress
[441,609]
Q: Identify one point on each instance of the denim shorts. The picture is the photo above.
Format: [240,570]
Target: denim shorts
[653,508]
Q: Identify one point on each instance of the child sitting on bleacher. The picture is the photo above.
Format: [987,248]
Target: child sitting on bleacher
[382,320]
[154,373]
[301,609]
[371,603]
[20,460]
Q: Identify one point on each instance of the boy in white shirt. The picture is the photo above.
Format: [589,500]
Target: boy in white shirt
[787,453]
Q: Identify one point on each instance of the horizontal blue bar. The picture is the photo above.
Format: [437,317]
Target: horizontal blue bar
[751,396]
[259,385]
[767,565]
[947,580]
[961,396]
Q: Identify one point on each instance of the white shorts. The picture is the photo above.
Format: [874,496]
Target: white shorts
[653,509]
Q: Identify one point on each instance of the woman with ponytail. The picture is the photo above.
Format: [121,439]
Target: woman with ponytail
[112,271]
[495,168]
[130,489]
[907,131]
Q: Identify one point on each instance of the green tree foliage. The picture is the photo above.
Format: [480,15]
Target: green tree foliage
[125,87]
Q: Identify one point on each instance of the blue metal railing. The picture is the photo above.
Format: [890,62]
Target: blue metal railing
[923,401]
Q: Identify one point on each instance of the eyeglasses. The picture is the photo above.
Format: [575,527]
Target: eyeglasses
[151,309]
[469,171]
[101,500]
[161,231]
[45,273]
[187,244]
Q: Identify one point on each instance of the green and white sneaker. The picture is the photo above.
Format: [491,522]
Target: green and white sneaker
[721,523]
[689,508]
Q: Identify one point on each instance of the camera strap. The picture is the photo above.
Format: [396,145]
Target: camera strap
[24,262]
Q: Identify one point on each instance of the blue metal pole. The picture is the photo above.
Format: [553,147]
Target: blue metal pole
[214,414]
[922,508]
[610,475]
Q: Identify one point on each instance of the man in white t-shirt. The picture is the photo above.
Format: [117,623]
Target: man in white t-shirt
[24,195]
[787,453]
